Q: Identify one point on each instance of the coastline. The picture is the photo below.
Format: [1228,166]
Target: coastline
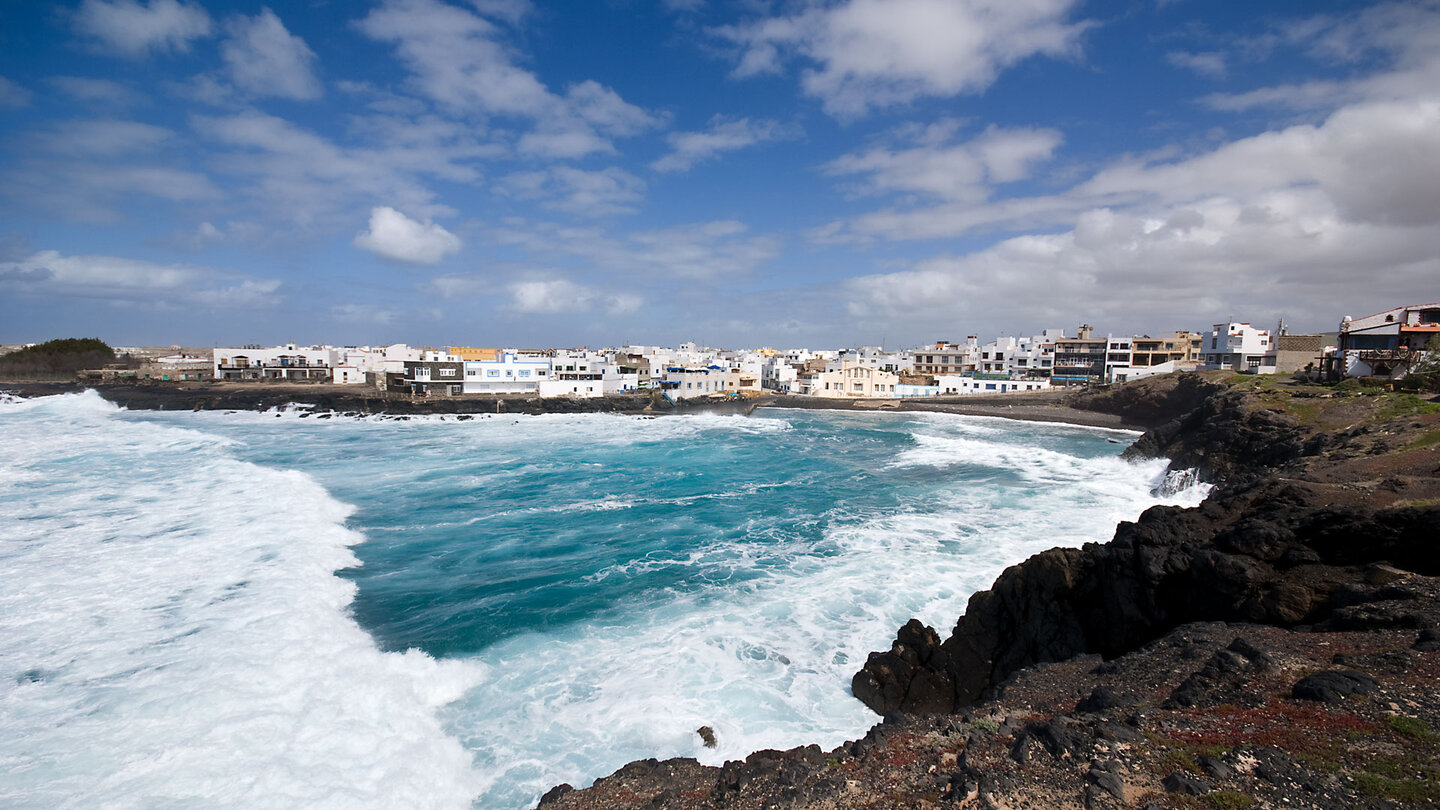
[1054,407]
[1276,646]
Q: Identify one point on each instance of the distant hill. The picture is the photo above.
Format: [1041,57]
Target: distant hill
[64,356]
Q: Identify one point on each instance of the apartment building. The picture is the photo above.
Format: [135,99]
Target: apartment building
[944,357]
[1239,347]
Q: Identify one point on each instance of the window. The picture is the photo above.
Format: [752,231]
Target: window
[492,372]
[447,372]
[524,372]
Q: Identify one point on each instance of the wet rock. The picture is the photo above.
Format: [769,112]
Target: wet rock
[707,736]
[554,794]
[1428,640]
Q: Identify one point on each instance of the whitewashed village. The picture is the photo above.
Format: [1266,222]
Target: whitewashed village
[1386,345]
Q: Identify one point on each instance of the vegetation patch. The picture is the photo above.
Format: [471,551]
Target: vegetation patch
[1228,800]
[1412,727]
[57,357]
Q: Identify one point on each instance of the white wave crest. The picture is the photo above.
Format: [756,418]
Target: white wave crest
[174,634]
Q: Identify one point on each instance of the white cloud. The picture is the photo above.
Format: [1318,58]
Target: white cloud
[511,11]
[132,281]
[878,53]
[952,171]
[133,29]
[458,61]
[395,236]
[1210,64]
[1405,37]
[303,179]
[552,297]
[99,92]
[12,95]
[583,193]
[265,59]
[102,138]
[689,148]
[705,250]
[362,313]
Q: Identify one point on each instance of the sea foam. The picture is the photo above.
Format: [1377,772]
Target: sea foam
[173,633]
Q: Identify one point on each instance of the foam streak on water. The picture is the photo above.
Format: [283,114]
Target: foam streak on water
[173,635]
[542,599]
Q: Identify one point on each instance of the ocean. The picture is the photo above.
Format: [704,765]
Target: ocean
[253,610]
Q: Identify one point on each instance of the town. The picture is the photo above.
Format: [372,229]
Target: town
[1386,344]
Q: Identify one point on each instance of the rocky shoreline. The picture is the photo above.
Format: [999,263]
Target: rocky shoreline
[322,399]
[1275,647]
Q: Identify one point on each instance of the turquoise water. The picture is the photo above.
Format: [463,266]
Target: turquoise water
[359,612]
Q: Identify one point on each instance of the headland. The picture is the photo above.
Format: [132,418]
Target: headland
[1275,647]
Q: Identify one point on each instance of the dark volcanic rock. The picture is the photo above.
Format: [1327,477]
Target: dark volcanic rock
[1231,560]
[1221,677]
[1334,685]
[911,675]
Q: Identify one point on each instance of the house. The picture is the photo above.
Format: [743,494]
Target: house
[435,373]
[853,380]
[686,383]
[288,362]
[1181,348]
[955,385]
[1387,343]
[501,371]
[1239,347]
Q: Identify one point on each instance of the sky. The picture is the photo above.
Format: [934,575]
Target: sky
[817,173]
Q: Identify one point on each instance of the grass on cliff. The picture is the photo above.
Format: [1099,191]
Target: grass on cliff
[1328,407]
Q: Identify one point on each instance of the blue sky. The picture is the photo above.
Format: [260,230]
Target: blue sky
[508,172]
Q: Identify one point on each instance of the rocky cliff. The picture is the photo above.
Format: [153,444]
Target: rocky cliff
[1277,646]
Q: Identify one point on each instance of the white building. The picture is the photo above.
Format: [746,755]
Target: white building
[288,362]
[851,380]
[1238,347]
[502,371]
[1386,344]
[686,383]
[956,385]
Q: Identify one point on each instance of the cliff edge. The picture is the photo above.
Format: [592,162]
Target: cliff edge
[1276,646]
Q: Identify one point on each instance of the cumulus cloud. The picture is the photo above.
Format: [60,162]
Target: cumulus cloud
[864,54]
[560,296]
[395,236]
[458,60]
[1403,37]
[133,29]
[723,135]
[951,171]
[1279,221]
[576,191]
[305,180]
[264,59]
[132,281]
